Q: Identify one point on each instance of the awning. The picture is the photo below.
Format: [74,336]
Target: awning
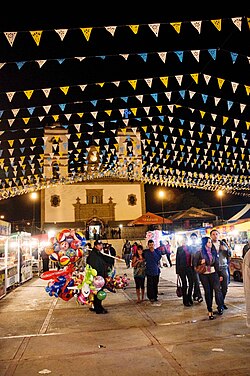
[150,219]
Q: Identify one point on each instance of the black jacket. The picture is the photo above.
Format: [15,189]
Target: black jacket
[181,260]
[99,262]
[202,254]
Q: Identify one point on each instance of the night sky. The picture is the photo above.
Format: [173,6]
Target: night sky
[95,70]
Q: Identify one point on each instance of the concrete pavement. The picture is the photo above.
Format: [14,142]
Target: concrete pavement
[40,334]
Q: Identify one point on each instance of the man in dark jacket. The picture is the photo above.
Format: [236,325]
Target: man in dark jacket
[98,261]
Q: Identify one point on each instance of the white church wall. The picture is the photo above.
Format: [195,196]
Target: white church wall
[69,193]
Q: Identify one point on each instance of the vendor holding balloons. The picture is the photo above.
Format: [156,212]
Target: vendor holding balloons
[98,261]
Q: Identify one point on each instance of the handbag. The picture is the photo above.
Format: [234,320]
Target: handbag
[179,287]
[201,268]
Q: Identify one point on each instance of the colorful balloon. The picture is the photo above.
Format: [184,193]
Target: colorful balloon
[101,295]
[98,282]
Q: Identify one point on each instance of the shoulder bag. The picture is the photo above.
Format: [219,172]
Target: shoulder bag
[179,287]
[200,268]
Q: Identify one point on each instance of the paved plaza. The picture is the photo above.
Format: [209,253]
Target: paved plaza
[40,334]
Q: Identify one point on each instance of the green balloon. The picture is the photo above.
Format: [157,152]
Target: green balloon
[101,295]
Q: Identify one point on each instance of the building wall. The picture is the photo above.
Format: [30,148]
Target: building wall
[69,193]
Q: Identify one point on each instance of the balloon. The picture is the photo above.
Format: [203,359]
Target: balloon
[54,257]
[85,290]
[101,295]
[75,244]
[49,250]
[98,282]
[83,242]
[64,260]
[79,235]
[81,299]
[61,236]
[64,246]
[79,252]
[71,252]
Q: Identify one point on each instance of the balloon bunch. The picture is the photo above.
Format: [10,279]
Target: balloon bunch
[60,282]
[91,284]
[67,247]
[112,283]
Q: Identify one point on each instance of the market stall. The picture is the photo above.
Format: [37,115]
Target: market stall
[18,256]
[5,229]
[236,235]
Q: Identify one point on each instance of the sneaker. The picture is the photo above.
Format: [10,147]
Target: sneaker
[225,307]
[220,311]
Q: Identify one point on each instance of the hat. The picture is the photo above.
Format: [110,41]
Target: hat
[97,242]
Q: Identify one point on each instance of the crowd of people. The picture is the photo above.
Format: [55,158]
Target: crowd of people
[211,252]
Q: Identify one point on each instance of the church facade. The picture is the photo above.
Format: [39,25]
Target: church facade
[94,205]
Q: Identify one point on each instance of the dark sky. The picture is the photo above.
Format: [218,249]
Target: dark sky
[21,207]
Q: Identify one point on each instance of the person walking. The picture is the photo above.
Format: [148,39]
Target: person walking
[168,253]
[194,247]
[246,285]
[101,263]
[45,260]
[210,280]
[152,258]
[224,253]
[184,270]
[246,248]
[127,252]
[139,265]
[163,249]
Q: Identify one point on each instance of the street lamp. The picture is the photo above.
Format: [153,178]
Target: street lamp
[220,194]
[162,195]
[33,197]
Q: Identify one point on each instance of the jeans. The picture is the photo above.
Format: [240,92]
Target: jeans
[127,258]
[224,282]
[196,290]
[187,284]
[211,283]
[152,287]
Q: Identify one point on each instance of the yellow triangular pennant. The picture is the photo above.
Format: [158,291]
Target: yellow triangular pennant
[133,83]
[64,89]
[28,93]
[217,24]
[134,28]
[220,82]
[86,32]
[176,26]
[36,36]
[195,77]
[164,80]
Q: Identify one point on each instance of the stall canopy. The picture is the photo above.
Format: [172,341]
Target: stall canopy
[242,214]
[193,213]
[150,219]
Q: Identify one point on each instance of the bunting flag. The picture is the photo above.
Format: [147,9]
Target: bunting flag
[170,83]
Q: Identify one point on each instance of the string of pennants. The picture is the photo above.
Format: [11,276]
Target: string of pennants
[213,52]
[155,28]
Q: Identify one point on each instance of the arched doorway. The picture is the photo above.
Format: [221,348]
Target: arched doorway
[95,228]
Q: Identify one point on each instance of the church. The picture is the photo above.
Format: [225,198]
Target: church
[92,205]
